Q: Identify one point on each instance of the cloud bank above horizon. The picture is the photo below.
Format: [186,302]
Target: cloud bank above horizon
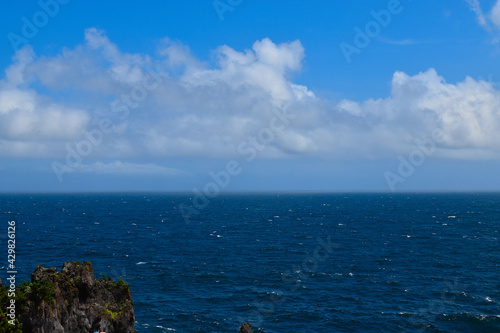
[237,104]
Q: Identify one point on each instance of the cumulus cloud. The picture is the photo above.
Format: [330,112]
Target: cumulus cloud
[466,114]
[31,123]
[241,104]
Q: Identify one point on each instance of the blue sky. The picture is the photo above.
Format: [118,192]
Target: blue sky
[250,95]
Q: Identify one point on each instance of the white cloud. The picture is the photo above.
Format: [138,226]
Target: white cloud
[178,56]
[490,21]
[124,168]
[401,42]
[26,116]
[467,113]
[475,6]
[210,110]
[264,69]
[16,74]
[495,14]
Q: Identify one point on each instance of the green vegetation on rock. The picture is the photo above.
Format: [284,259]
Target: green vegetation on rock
[56,299]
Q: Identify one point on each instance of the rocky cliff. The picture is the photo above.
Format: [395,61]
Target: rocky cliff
[70,301]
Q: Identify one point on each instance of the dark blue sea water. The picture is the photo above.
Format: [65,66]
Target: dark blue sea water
[284,262]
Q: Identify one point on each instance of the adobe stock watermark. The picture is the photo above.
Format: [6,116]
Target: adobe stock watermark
[12,271]
[292,279]
[249,149]
[223,6]
[427,147]
[77,151]
[31,26]
[372,29]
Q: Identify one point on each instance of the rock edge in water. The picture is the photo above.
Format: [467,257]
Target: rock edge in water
[246,328]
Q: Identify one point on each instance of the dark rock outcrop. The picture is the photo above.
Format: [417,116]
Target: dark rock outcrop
[70,301]
[246,328]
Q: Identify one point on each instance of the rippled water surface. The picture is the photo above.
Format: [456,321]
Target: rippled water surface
[285,262]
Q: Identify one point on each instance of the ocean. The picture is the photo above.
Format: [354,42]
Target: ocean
[285,262]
